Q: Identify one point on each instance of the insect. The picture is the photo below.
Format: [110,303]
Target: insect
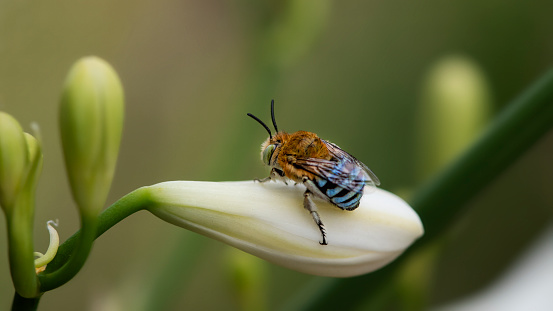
[327,171]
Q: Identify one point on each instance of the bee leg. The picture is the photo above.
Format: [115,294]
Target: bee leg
[275,174]
[268,178]
[312,208]
[279,174]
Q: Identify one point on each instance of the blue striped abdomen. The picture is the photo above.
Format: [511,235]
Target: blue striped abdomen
[339,196]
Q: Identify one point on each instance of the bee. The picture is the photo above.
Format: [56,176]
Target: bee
[327,171]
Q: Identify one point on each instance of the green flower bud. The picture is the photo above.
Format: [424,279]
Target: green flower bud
[91,122]
[34,152]
[13,160]
[20,166]
[454,109]
[295,30]
[247,276]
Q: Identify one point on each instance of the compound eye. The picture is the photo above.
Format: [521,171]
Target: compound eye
[268,154]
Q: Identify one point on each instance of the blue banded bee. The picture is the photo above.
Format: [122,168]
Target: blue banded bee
[327,171]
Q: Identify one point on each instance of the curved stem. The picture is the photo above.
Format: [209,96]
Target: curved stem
[513,132]
[78,256]
[73,252]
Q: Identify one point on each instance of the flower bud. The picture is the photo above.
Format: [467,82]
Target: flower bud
[294,31]
[269,221]
[34,151]
[247,277]
[14,160]
[91,122]
[20,166]
[454,108]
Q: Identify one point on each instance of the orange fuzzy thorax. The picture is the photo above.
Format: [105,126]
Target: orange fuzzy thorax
[300,144]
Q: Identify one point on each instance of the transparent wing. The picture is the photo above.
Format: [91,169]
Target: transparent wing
[341,154]
[344,173]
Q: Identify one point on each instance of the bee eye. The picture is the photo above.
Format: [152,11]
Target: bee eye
[268,153]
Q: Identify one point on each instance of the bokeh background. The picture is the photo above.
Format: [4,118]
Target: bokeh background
[354,72]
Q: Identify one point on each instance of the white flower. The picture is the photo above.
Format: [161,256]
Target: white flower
[268,220]
[526,285]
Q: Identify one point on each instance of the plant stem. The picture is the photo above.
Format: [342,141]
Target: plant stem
[514,131]
[78,257]
[24,304]
[67,262]
[20,247]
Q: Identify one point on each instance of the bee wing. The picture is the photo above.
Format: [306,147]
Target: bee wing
[344,173]
[341,154]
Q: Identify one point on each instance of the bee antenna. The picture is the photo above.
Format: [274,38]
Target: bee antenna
[273,114]
[261,122]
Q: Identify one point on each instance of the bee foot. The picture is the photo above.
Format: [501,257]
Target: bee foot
[323,232]
[321,228]
[312,208]
[263,180]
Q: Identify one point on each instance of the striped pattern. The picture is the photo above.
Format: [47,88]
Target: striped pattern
[341,180]
[338,195]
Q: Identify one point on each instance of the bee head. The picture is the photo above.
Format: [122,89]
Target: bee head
[267,151]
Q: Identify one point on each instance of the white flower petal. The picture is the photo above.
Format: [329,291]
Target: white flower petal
[526,285]
[268,220]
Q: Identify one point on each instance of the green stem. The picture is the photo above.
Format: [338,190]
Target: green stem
[24,304]
[20,247]
[513,132]
[73,252]
[78,257]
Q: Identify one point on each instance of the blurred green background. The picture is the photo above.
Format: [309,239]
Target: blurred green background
[353,72]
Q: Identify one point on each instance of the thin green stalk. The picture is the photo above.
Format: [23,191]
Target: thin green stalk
[24,304]
[78,257]
[56,273]
[511,134]
[20,245]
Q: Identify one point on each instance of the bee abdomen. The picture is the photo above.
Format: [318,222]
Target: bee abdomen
[339,196]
